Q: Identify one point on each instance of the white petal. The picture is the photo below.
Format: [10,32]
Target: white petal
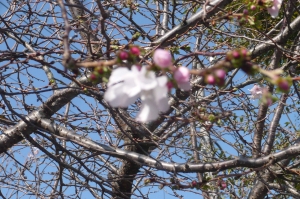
[136,70]
[162,80]
[149,111]
[162,104]
[118,75]
[148,82]
[144,78]
[115,96]
[161,94]
[131,87]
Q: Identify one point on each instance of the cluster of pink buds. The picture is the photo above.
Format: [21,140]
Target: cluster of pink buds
[163,60]
[222,184]
[130,56]
[217,77]
[240,58]
[195,184]
[100,73]
[244,18]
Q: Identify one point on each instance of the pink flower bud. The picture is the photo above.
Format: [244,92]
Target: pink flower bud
[220,73]
[182,77]
[123,55]
[244,52]
[210,79]
[93,77]
[99,70]
[194,183]
[284,85]
[169,85]
[135,50]
[253,7]
[236,54]
[223,185]
[245,11]
[182,74]
[162,58]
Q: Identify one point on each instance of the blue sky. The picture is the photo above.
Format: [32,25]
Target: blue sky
[22,149]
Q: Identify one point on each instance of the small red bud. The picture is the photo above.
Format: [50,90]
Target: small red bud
[283,85]
[123,55]
[245,11]
[223,185]
[194,183]
[236,54]
[169,85]
[135,50]
[99,70]
[244,52]
[93,77]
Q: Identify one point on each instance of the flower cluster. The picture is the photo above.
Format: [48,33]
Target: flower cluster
[241,58]
[216,77]
[262,93]
[129,56]
[125,86]
[256,92]
[222,184]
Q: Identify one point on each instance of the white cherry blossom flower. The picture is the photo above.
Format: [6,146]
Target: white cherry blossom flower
[274,10]
[35,151]
[125,86]
[256,92]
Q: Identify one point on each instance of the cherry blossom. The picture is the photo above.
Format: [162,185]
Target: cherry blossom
[162,58]
[256,92]
[274,9]
[125,86]
[35,151]
[182,77]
